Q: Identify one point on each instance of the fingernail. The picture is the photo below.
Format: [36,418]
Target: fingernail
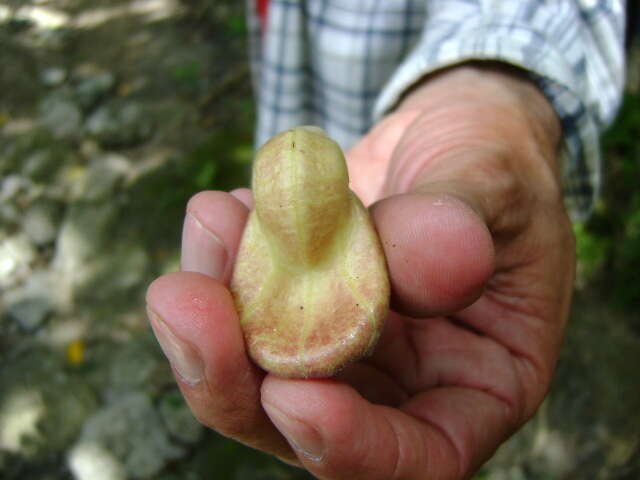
[183,358]
[302,438]
[202,251]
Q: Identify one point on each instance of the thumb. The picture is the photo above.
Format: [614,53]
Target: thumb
[439,251]
[471,157]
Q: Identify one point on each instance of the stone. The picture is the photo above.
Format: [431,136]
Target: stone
[42,407]
[22,410]
[29,137]
[178,419]
[61,116]
[40,222]
[12,185]
[125,270]
[511,473]
[122,378]
[104,176]
[12,190]
[70,402]
[30,304]
[30,313]
[131,433]
[53,76]
[41,165]
[84,233]
[89,461]
[120,123]
[93,88]
[10,215]
[114,274]
[17,253]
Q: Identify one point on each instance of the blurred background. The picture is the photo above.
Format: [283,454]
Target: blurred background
[112,114]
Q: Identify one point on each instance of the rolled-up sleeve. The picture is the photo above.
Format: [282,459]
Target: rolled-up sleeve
[573,49]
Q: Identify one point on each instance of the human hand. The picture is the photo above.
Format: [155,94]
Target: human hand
[463,187]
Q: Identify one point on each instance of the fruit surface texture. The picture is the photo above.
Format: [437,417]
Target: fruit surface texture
[310,281]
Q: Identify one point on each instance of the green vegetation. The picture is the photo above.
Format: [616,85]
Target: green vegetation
[609,243]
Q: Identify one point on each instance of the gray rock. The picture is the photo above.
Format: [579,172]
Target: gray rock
[11,186]
[104,176]
[53,76]
[90,461]
[120,123]
[110,277]
[41,221]
[61,116]
[41,165]
[124,271]
[178,418]
[23,409]
[511,473]
[131,367]
[12,190]
[91,89]
[30,304]
[132,433]
[70,403]
[82,237]
[30,313]
[23,143]
[10,215]
[17,254]
[83,233]
[43,407]
[52,39]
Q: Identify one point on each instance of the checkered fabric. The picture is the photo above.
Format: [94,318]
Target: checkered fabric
[342,64]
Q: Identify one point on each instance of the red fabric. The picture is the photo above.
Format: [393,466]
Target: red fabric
[262,7]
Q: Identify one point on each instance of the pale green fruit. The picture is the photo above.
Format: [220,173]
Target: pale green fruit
[310,280]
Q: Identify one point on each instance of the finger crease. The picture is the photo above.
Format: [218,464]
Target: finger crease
[461,463]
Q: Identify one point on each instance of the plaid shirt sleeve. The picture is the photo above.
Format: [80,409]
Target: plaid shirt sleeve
[342,64]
